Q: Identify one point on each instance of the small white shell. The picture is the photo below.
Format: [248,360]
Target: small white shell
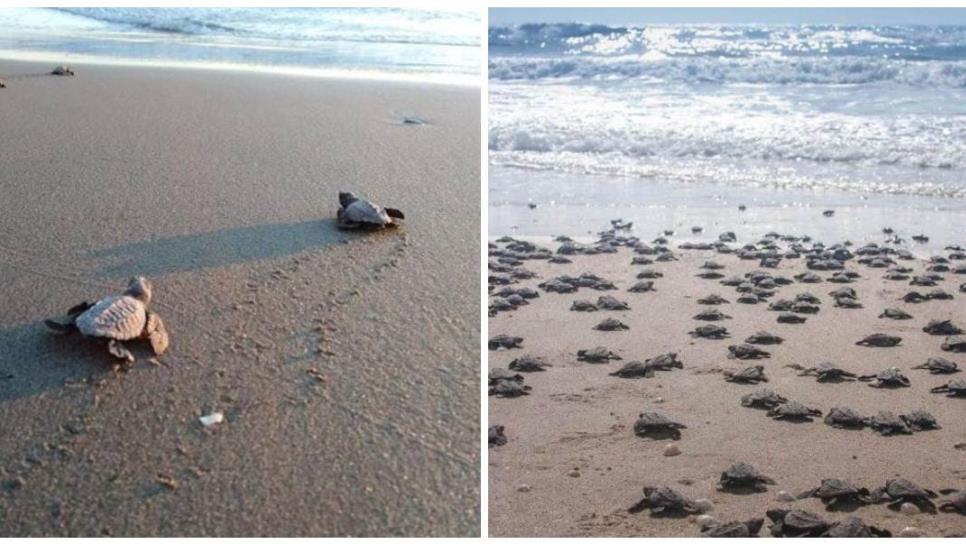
[212,419]
[704,520]
[671,450]
[785,496]
[909,509]
[911,532]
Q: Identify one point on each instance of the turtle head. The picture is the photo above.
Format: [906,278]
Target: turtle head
[139,288]
[346,198]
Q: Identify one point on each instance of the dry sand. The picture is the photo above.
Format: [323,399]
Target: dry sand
[571,440]
[221,188]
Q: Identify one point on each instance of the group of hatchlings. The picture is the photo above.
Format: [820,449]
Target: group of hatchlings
[665,501]
[126,316]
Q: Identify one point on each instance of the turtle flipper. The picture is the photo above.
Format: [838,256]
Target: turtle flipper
[156,333]
[119,351]
[80,308]
[394,213]
[66,328]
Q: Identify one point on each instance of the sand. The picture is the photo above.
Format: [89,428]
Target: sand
[346,364]
[571,447]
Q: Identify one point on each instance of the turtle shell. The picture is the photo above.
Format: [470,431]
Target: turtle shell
[118,317]
[364,212]
[634,369]
[844,417]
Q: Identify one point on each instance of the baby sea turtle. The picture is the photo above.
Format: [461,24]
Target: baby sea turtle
[643,286]
[833,491]
[795,523]
[898,491]
[664,501]
[955,388]
[955,344]
[794,411]
[887,423]
[956,501]
[764,338]
[879,340]
[712,300]
[888,378]
[762,398]
[583,306]
[748,299]
[845,418]
[528,364]
[62,70]
[355,212]
[938,365]
[787,317]
[920,420]
[913,297]
[827,372]
[938,294]
[118,318]
[710,331]
[750,374]
[848,303]
[649,274]
[942,328]
[743,476]
[665,361]
[607,302]
[853,527]
[496,436]
[599,354]
[657,425]
[894,313]
[611,324]
[711,314]
[505,342]
[634,369]
[734,529]
[747,351]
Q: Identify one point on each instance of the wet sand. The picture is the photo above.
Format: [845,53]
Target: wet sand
[346,364]
[573,466]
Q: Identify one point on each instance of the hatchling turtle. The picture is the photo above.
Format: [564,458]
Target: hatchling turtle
[642,260]
[956,501]
[607,302]
[599,354]
[664,501]
[833,491]
[794,411]
[496,436]
[853,527]
[665,361]
[734,529]
[781,305]
[920,420]
[611,324]
[509,388]
[649,274]
[898,491]
[938,365]
[749,374]
[504,341]
[762,398]
[894,313]
[845,418]
[62,70]
[790,318]
[955,388]
[355,212]
[955,344]
[944,327]
[887,423]
[747,351]
[657,425]
[808,298]
[764,338]
[827,372]
[528,364]
[938,294]
[712,300]
[118,318]
[962,287]
[848,303]
[808,277]
[795,523]
[710,331]
[742,475]
[496,375]
[748,299]
[894,275]
[709,275]
[879,340]
[583,306]
[711,314]
[642,287]
[914,297]
[888,378]
[922,281]
[634,369]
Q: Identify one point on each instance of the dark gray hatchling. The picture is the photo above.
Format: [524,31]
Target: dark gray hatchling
[599,354]
[649,274]
[711,314]
[764,338]
[658,426]
[938,365]
[920,420]
[894,313]
[528,364]
[955,344]
[790,318]
[665,361]
[914,297]
[845,418]
[747,351]
[710,331]
[796,523]
[607,302]
[955,501]
[583,306]
[762,398]
[887,424]
[888,378]
[794,411]
[848,303]
[734,529]
[955,388]
[942,328]
[496,436]
[642,286]
[879,340]
[853,527]
[496,375]
[749,374]
[938,294]
[634,369]
[898,491]
[611,324]
[712,300]
[664,501]
[748,299]
[833,492]
[509,388]
[827,372]
[710,275]
[355,212]
[504,341]
[743,476]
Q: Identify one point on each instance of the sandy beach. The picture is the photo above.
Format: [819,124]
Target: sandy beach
[572,465]
[346,364]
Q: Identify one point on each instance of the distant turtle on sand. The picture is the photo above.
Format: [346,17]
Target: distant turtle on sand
[747,351]
[750,374]
[355,212]
[795,523]
[62,70]
[787,317]
[853,527]
[938,365]
[956,501]
[505,342]
[743,476]
[825,372]
[599,354]
[879,340]
[528,364]
[955,388]
[920,420]
[657,425]
[794,411]
[733,529]
[711,314]
[942,328]
[710,331]
[887,423]
[611,324]
[833,491]
[496,436]
[3,85]
[888,378]
[634,369]
[955,344]
[894,313]
[118,318]
[664,501]
[764,338]
[712,300]
[762,398]
[899,491]
[845,418]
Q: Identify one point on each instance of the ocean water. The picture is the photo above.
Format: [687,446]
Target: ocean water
[592,122]
[408,44]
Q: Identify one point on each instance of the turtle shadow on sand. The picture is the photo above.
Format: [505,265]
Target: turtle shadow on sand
[219,248]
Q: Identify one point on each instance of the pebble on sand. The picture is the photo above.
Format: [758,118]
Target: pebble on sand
[704,520]
[911,532]
[909,509]
[575,473]
[671,450]
[524,488]
[212,419]
[659,400]
[785,496]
